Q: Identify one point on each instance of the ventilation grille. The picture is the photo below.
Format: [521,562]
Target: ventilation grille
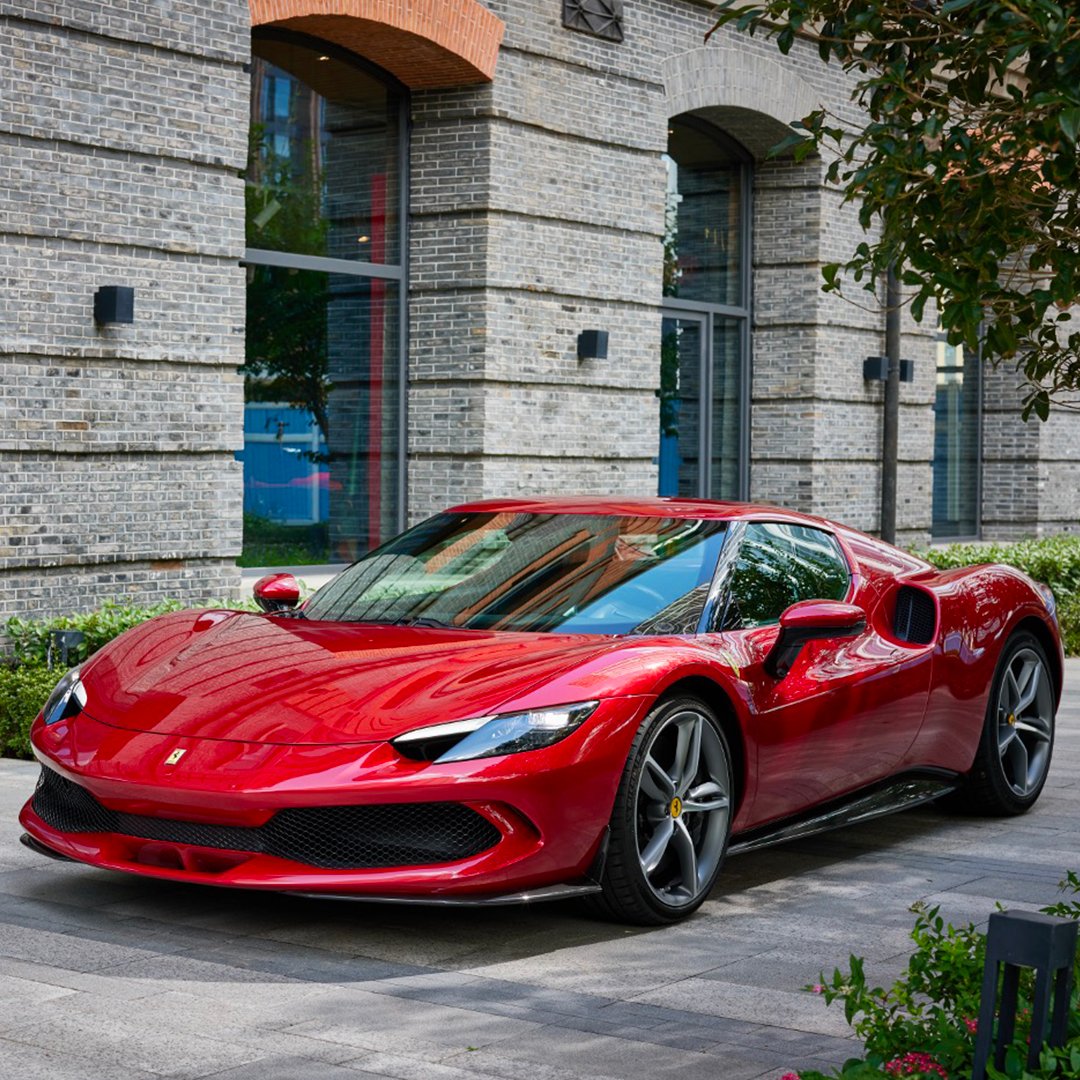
[331,837]
[915,616]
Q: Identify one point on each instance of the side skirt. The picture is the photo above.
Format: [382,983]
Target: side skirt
[864,805]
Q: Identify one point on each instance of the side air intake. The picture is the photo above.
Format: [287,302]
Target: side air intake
[915,619]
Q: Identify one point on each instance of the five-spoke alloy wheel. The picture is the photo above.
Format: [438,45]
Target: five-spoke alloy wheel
[1018,738]
[672,816]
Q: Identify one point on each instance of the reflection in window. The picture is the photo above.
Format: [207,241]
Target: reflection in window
[703,216]
[957,458]
[705,329]
[565,573]
[779,565]
[323,349]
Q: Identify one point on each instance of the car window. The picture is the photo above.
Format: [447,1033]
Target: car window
[777,566]
[566,573]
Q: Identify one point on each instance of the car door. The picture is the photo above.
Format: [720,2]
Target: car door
[848,709]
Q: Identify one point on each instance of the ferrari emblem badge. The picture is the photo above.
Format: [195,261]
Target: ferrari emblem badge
[174,757]
[676,807]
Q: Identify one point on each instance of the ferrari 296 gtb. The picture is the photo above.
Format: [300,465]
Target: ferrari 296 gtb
[525,699]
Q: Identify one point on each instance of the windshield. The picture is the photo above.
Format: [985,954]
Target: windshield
[564,573]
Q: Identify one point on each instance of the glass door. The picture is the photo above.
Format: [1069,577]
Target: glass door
[684,343]
[702,416]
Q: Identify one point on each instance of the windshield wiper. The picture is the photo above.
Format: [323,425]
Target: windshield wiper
[428,621]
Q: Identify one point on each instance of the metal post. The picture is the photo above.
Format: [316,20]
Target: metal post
[1016,940]
[65,641]
[890,426]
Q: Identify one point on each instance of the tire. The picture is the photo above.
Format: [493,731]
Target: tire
[672,817]
[1017,740]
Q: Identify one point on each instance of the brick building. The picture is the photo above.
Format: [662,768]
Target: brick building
[363,238]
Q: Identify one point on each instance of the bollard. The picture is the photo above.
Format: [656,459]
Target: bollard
[1018,940]
[65,641]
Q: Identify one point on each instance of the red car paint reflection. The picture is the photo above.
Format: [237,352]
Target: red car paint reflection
[529,698]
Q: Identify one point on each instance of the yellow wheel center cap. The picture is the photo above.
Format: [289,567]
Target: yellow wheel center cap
[676,807]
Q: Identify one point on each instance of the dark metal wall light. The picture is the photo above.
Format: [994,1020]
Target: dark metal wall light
[876,369]
[592,345]
[114,304]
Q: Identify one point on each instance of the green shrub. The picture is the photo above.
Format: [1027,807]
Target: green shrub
[30,637]
[23,690]
[1069,621]
[924,1025]
[26,680]
[1055,561]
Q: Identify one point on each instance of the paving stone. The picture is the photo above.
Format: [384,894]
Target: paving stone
[19,1061]
[105,976]
[293,1068]
[390,1024]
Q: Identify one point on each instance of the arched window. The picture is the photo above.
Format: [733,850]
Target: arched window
[324,365]
[705,339]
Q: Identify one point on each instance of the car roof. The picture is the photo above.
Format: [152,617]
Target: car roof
[708,509]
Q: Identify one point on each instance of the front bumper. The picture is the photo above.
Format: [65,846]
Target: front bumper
[547,809]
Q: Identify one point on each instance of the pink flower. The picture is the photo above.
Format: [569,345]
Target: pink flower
[971,1025]
[790,1076]
[817,988]
[913,1063]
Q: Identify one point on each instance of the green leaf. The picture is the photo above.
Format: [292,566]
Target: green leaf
[1069,120]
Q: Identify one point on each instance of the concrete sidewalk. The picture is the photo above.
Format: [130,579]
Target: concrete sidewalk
[106,976]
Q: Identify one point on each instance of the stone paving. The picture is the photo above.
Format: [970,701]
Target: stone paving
[105,976]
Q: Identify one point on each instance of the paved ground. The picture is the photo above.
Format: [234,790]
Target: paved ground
[104,976]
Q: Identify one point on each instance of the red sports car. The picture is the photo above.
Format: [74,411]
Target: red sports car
[525,699]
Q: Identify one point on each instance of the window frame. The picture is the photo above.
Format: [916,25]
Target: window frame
[937,533]
[708,312]
[719,602]
[397,272]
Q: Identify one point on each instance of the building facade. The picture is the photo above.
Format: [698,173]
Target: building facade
[390,256]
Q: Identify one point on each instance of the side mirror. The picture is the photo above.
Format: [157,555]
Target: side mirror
[277,592]
[810,620]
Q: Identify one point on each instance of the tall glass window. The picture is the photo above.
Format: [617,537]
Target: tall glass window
[705,334]
[323,431]
[957,442]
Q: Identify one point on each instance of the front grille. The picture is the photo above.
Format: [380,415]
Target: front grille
[330,837]
[915,618]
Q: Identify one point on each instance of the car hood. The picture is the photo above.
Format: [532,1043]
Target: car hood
[254,678]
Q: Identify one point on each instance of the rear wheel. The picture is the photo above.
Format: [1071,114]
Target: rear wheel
[672,817]
[1018,735]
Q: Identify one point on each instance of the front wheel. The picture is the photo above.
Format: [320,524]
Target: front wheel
[672,817]
[1018,735]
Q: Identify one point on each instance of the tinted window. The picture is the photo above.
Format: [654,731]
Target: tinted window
[565,573]
[779,565]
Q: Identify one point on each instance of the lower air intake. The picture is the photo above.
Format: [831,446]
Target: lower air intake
[329,837]
[916,617]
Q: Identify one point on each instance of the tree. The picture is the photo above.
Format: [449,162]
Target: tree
[965,161]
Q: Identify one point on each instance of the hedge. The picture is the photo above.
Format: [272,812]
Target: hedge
[1055,561]
[23,690]
[26,680]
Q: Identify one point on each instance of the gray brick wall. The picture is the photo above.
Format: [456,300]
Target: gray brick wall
[123,127]
[537,212]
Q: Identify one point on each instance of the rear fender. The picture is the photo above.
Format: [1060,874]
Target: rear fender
[980,608]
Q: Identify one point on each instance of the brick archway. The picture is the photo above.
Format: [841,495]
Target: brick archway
[425,43]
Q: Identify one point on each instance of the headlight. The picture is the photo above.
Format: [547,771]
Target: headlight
[66,700]
[489,736]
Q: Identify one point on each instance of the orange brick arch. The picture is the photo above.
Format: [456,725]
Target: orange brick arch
[426,43]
